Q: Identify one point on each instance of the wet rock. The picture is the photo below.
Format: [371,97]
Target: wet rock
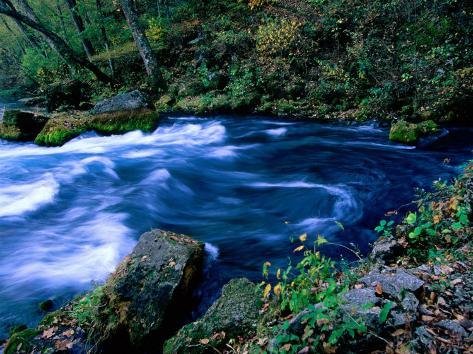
[46,305]
[453,327]
[422,340]
[385,250]
[20,125]
[134,100]
[234,314]
[393,282]
[144,299]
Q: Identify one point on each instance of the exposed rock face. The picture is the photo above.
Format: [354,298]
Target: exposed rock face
[134,100]
[234,314]
[385,250]
[145,296]
[393,281]
[20,125]
[135,311]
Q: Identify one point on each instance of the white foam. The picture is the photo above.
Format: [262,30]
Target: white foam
[18,199]
[104,241]
[212,251]
[276,132]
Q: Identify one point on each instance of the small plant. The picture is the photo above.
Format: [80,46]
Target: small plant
[315,288]
[385,228]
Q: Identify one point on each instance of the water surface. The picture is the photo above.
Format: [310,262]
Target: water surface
[242,185]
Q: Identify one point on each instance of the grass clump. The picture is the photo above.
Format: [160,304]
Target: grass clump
[124,121]
[20,341]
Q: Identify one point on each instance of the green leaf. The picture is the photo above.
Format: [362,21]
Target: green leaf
[321,240]
[411,218]
[383,315]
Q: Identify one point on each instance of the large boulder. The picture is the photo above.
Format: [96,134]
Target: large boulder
[21,125]
[234,314]
[129,101]
[146,296]
[140,305]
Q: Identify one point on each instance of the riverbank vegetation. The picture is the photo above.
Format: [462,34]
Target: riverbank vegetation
[322,59]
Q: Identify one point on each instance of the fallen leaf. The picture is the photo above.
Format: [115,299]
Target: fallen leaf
[204,341]
[63,345]
[398,332]
[48,333]
[298,249]
[303,237]
[426,318]
[456,281]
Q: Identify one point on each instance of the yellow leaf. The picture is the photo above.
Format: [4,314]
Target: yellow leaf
[303,237]
[267,290]
[298,249]
[277,290]
[278,274]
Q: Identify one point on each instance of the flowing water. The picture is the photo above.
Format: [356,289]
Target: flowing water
[242,185]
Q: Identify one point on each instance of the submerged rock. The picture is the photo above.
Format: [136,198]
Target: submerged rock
[20,125]
[134,100]
[234,314]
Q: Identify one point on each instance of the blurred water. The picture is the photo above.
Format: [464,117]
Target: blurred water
[242,185]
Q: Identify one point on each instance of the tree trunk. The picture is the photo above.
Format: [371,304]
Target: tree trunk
[79,24]
[147,55]
[106,41]
[7,8]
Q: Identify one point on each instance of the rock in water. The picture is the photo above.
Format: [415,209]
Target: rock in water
[129,101]
[145,296]
[234,314]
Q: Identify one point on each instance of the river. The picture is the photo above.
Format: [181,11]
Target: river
[242,185]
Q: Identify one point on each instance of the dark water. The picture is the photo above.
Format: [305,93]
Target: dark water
[68,215]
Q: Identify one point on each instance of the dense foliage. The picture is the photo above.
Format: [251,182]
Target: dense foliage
[319,58]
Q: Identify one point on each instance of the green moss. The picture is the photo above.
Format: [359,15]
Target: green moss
[9,132]
[85,308]
[21,341]
[404,132]
[122,122]
[427,127]
[164,103]
[59,130]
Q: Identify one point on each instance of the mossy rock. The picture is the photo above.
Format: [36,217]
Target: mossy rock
[146,297]
[409,133]
[404,132]
[59,130]
[234,314]
[21,126]
[124,121]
